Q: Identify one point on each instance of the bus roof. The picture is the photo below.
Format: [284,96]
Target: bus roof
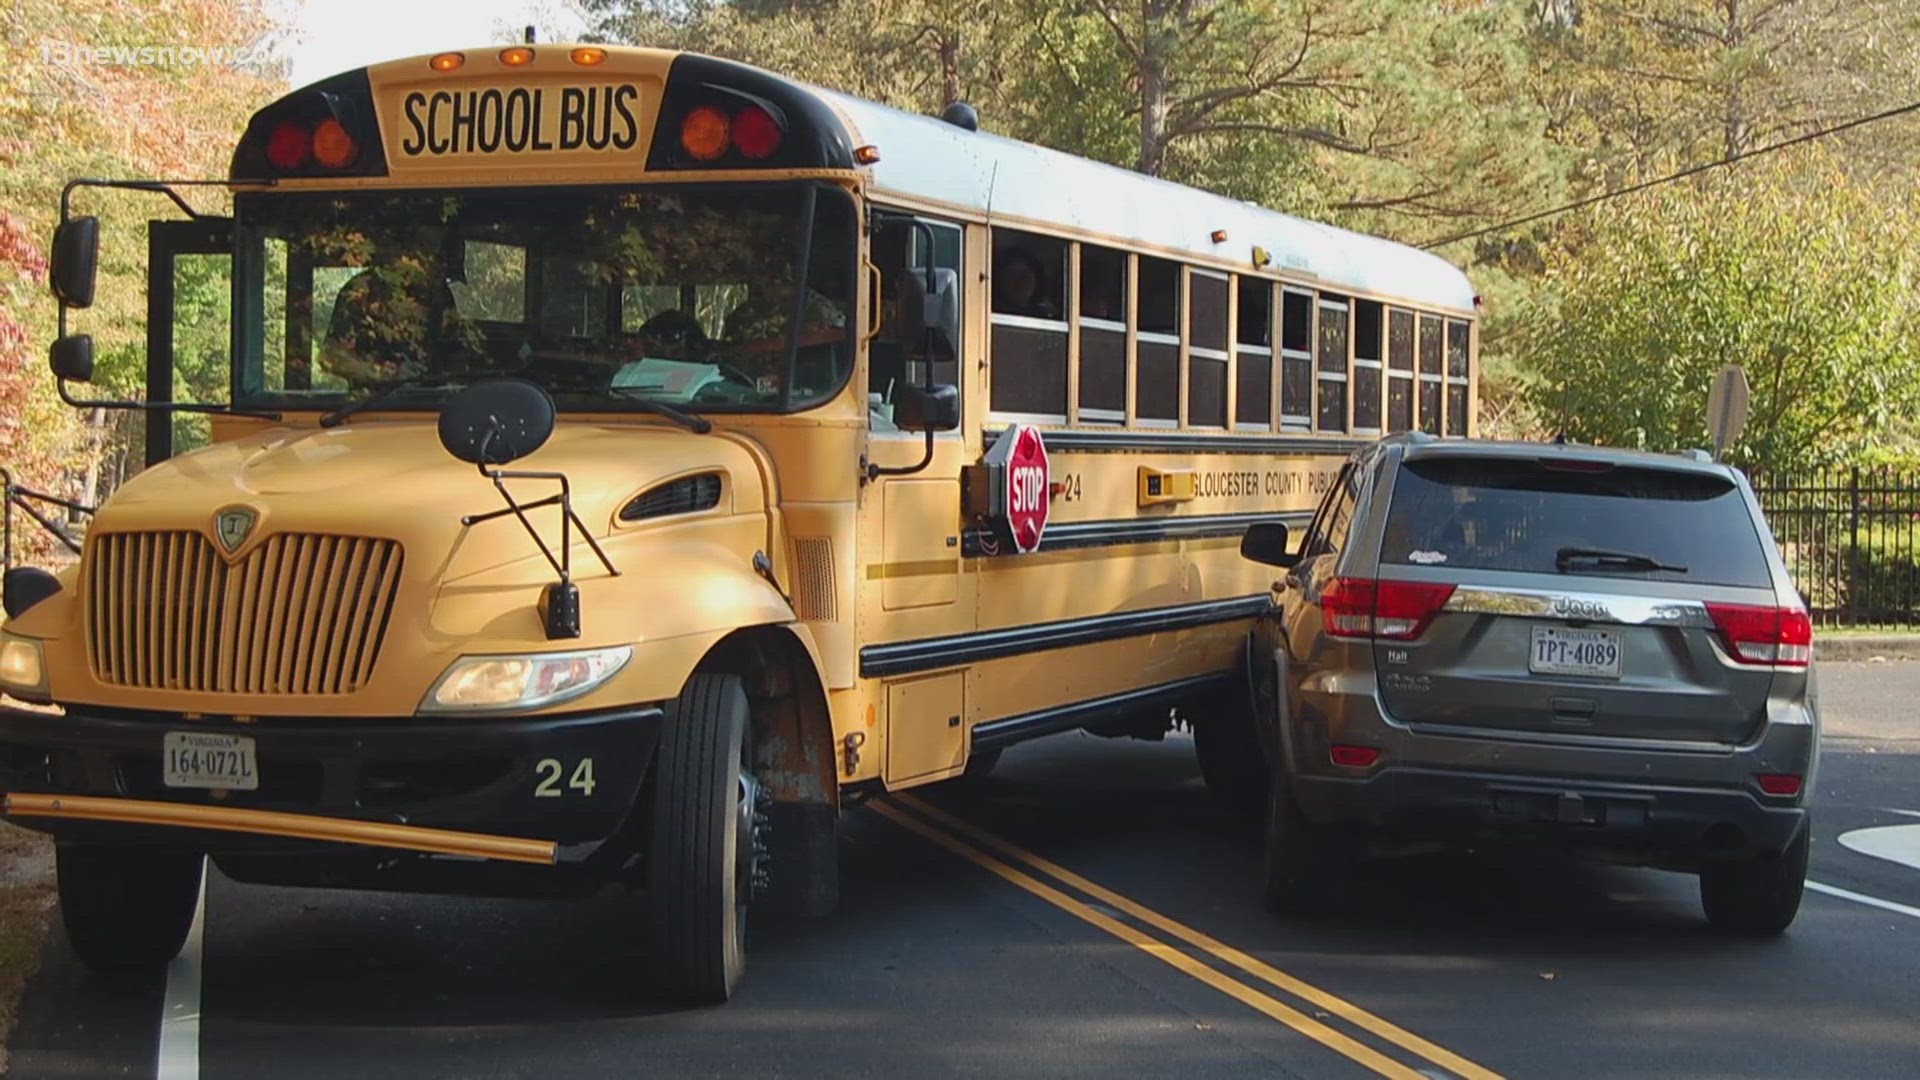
[928,158]
[921,157]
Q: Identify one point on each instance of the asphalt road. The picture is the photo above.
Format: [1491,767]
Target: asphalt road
[1120,935]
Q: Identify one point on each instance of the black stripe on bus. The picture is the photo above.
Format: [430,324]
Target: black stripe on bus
[1072,535]
[951,650]
[1194,442]
[1017,729]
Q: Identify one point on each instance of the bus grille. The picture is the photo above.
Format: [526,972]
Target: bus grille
[300,614]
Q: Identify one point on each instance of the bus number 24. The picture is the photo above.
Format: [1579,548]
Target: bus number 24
[551,770]
[1069,487]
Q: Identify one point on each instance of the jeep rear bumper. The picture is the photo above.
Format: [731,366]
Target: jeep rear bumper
[1678,827]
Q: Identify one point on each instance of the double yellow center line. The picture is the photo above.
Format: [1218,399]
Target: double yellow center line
[999,857]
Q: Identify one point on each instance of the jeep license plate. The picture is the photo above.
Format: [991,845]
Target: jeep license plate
[1562,651]
[199,759]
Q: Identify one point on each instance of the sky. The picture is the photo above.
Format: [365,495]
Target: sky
[330,36]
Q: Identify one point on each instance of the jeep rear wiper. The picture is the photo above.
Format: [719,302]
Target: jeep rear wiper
[1602,559]
[394,394]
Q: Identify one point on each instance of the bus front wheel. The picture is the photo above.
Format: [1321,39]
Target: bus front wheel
[707,846]
[127,909]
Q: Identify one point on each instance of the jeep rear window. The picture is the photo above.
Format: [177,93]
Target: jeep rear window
[1516,514]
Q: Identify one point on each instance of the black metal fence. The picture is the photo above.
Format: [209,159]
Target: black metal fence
[1851,537]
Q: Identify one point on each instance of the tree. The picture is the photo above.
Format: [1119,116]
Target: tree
[64,115]
[1781,268]
[1375,114]
[1642,83]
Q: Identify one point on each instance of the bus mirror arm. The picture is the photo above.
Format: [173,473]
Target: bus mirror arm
[67,397]
[559,601]
[71,275]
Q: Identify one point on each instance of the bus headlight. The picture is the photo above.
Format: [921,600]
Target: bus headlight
[530,681]
[23,669]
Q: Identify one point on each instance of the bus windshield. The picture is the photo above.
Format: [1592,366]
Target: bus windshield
[705,298]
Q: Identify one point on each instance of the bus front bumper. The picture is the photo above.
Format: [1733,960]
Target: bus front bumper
[527,790]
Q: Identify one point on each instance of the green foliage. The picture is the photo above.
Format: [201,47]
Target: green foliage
[1783,268]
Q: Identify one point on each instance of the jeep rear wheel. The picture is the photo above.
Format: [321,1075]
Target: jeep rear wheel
[707,853]
[1307,874]
[1760,895]
[127,909]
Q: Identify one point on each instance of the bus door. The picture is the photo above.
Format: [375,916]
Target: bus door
[189,335]
[913,569]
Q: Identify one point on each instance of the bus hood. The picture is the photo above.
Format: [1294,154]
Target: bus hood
[391,479]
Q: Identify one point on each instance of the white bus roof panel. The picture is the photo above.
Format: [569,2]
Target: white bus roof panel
[931,159]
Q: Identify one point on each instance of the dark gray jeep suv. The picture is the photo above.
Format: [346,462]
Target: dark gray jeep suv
[1597,648]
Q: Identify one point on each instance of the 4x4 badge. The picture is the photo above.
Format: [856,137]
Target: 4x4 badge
[232,526]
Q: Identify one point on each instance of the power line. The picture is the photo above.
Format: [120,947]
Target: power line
[1681,175]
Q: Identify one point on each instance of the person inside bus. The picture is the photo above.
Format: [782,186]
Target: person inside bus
[394,319]
[1020,285]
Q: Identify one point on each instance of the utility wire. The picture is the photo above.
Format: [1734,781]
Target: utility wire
[1681,175]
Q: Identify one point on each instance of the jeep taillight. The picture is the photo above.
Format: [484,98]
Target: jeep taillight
[1387,609]
[1765,635]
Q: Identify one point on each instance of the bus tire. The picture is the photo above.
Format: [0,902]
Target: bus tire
[704,844]
[126,909]
[1231,759]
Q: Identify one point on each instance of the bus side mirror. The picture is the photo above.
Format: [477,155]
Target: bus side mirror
[928,409]
[76,257]
[72,358]
[1266,542]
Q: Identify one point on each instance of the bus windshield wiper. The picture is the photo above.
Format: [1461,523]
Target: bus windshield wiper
[699,425]
[395,394]
[1603,559]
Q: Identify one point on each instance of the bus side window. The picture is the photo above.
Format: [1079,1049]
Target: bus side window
[1156,371]
[1029,317]
[899,250]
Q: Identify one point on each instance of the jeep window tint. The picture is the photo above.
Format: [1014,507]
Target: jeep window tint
[1327,535]
[1516,514]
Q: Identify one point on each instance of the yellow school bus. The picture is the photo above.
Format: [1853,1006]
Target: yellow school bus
[633,458]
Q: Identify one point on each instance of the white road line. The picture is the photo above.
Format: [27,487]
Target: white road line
[1894,843]
[1861,898]
[1909,813]
[180,1008]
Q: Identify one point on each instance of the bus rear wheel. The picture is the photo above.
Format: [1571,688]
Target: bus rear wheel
[126,909]
[707,851]
[1231,761]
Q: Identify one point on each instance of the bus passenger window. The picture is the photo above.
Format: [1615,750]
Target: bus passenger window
[1457,381]
[1253,355]
[1103,335]
[1208,293]
[1029,363]
[1431,372]
[1399,370]
[1296,360]
[1156,389]
[1369,331]
[1331,363]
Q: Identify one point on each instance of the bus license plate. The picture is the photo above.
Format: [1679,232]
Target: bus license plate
[1558,651]
[198,759]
